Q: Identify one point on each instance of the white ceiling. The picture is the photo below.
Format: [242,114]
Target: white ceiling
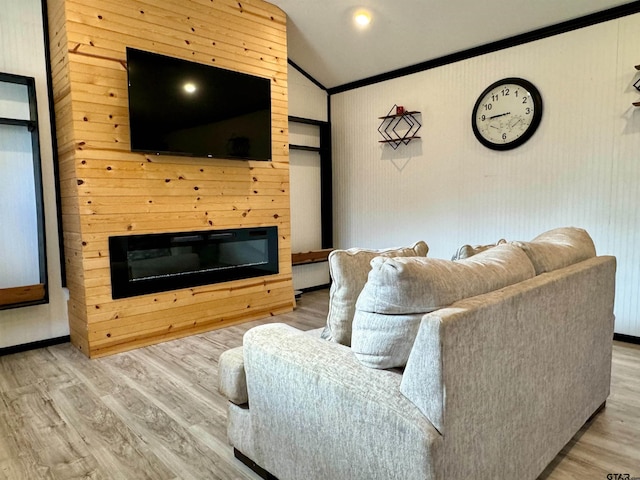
[323,41]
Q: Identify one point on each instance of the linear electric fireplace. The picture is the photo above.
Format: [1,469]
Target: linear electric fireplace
[160,262]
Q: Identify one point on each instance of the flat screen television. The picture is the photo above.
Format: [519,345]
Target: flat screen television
[178,107]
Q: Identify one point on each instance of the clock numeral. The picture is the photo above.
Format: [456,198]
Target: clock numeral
[504,136]
[483,118]
[528,111]
[487,106]
[505,92]
[525,100]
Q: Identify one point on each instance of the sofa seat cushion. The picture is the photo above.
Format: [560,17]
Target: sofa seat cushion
[400,291]
[558,248]
[349,270]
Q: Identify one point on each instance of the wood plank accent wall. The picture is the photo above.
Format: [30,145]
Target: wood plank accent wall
[108,190]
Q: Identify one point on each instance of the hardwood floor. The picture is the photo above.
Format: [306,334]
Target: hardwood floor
[155,413]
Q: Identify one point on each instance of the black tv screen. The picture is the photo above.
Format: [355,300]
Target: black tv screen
[178,107]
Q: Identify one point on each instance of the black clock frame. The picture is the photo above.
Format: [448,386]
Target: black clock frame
[533,126]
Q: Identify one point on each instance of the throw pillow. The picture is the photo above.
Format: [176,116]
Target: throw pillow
[349,270]
[467,251]
[401,290]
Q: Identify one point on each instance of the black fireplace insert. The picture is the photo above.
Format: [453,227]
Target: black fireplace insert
[159,262]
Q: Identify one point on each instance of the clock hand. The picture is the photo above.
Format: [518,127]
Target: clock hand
[500,115]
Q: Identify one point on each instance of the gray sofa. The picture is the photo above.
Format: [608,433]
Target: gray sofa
[482,368]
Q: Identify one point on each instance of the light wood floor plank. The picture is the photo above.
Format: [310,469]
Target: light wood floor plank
[184,454]
[53,445]
[119,451]
[155,413]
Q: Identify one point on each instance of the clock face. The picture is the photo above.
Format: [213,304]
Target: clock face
[507,113]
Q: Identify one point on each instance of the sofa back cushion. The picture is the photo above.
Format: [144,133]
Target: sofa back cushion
[349,270]
[558,248]
[400,291]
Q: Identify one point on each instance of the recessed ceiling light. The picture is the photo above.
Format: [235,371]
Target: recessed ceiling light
[362,18]
[189,87]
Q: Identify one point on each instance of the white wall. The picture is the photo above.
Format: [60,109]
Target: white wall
[581,167]
[306,100]
[22,53]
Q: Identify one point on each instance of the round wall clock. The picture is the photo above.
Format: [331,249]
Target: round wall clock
[507,113]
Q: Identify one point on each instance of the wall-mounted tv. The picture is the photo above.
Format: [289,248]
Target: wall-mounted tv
[178,107]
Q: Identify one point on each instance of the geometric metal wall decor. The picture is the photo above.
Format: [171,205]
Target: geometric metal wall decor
[399,126]
[637,87]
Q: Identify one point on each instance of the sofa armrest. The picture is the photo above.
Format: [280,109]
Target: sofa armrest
[523,367]
[232,381]
[318,413]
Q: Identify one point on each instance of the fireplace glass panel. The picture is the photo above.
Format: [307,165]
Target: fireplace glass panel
[159,262]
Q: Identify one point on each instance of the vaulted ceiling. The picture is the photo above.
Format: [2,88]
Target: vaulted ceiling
[324,41]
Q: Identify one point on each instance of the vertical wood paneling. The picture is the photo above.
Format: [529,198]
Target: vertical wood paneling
[107,190]
[580,168]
